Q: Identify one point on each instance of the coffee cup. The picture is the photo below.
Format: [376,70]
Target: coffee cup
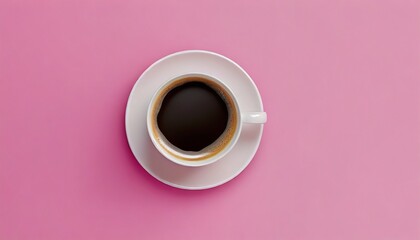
[194,119]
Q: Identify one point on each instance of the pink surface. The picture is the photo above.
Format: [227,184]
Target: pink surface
[339,158]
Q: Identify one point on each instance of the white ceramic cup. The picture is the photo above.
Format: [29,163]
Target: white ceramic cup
[203,157]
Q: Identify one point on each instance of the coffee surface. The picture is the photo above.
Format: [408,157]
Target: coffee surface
[192,116]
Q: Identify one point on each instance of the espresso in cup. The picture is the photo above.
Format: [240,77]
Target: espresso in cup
[193,118]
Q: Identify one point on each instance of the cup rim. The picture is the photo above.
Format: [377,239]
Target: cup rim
[194,163]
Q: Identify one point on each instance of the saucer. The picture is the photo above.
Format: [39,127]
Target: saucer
[192,178]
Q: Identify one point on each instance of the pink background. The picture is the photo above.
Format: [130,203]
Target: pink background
[340,154]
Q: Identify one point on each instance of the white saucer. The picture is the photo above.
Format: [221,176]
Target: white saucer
[192,178]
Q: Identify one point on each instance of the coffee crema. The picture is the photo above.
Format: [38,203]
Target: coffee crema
[194,116]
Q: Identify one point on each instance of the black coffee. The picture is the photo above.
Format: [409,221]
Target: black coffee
[192,116]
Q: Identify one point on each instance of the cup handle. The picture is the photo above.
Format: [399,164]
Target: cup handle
[254,117]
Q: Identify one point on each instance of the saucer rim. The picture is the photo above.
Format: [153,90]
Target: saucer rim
[257,138]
